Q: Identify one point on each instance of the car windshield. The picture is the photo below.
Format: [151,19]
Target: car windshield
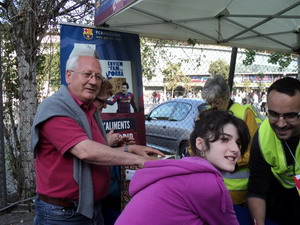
[180,112]
[163,112]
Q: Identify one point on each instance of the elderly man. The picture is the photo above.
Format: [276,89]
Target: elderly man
[275,157]
[71,152]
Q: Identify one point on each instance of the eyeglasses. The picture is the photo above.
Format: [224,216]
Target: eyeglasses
[289,117]
[101,101]
[90,75]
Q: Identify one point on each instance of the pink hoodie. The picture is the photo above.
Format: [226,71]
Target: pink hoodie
[189,191]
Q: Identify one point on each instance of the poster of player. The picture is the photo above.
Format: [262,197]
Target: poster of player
[119,74]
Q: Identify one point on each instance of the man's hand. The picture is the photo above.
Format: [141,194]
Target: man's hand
[126,140]
[116,139]
[145,151]
[113,138]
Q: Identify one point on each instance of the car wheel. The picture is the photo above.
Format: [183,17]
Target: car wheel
[183,149]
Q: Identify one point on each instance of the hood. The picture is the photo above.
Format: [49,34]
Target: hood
[154,171]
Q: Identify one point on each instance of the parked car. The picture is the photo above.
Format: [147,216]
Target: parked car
[168,126]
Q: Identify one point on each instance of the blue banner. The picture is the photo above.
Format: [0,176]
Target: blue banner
[120,60]
[104,9]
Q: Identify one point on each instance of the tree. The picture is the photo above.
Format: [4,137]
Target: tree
[149,58]
[250,57]
[220,67]
[282,59]
[154,51]
[48,67]
[28,22]
[11,128]
[174,77]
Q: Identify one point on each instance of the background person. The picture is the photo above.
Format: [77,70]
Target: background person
[124,99]
[158,96]
[114,139]
[275,157]
[216,92]
[154,95]
[190,190]
[263,106]
[106,90]
[70,149]
[112,202]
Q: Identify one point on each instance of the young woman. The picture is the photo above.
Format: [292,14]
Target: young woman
[191,190]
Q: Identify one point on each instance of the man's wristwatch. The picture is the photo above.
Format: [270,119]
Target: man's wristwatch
[126,148]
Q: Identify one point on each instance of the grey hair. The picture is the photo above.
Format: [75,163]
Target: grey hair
[72,62]
[215,88]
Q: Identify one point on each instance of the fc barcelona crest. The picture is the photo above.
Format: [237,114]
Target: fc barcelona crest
[88,33]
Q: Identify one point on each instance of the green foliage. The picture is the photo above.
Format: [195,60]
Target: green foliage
[24,24]
[48,68]
[155,50]
[9,66]
[149,58]
[11,105]
[282,59]
[250,57]
[247,85]
[192,42]
[220,67]
[260,84]
[174,77]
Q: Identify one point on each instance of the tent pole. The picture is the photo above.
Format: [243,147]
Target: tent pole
[298,57]
[298,61]
[234,51]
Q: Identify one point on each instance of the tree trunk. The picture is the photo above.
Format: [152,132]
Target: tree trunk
[28,105]
[29,22]
[3,197]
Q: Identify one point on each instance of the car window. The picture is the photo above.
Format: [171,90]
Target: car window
[181,111]
[163,111]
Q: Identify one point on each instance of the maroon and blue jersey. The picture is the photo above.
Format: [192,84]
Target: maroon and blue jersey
[124,101]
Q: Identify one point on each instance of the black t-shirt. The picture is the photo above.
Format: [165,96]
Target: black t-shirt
[283,205]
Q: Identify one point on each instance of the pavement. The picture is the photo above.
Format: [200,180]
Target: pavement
[17,218]
[21,214]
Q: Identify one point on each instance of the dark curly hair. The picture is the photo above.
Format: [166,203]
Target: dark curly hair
[210,126]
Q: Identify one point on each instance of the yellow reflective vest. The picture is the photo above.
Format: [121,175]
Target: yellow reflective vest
[237,182]
[239,111]
[273,152]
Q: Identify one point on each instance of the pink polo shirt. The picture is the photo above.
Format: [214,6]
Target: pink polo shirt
[54,164]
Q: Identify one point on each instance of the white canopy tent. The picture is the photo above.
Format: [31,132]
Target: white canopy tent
[272,25]
[256,24]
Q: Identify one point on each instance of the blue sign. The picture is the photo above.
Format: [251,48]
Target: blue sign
[120,61]
[104,9]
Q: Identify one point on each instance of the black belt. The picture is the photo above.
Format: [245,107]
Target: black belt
[66,203]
